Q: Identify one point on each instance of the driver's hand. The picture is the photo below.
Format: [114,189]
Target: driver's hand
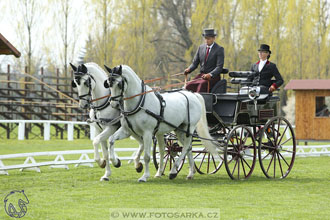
[207,76]
[272,88]
[187,71]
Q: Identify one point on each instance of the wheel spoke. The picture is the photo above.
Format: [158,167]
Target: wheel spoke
[268,147]
[248,146]
[285,141]
[208,163]
[266,155]
[197,155]
[214,163]
[278,130]
[274,164]
[287,151]
[245,139]
[279,142]
[200,165]
[279,162]
[243,168]
[248,155]
[246,163]
[234,168]
[284,160]
[241,136]
[270,162]
[238,160]
[269,138]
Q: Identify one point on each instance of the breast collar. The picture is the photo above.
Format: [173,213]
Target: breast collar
[138,107]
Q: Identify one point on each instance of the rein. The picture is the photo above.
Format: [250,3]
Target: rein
[153,90]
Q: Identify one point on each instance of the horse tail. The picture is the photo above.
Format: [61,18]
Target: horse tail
[203,130]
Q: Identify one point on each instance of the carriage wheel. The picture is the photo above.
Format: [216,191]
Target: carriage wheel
[171,154]
[277,148]
[205,163]
[240,153]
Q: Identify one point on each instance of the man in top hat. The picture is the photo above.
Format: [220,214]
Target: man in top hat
[265,71]
[210,56]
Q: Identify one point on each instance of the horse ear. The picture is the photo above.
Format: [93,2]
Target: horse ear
[73,67]
[108,69]
[84,68]
[106,84]
[120,70]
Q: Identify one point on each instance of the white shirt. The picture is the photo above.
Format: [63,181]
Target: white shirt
[262,64]
[209,47]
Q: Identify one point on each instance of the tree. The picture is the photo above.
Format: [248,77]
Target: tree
[30,10]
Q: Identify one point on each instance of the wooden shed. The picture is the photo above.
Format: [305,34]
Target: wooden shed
[7,48]
[312,109]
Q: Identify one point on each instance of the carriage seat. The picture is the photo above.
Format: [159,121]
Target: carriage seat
[221,85]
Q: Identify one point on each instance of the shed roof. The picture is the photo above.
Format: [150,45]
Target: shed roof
[7,48]
[308,84]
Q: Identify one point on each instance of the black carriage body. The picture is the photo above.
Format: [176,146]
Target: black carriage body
[232,109]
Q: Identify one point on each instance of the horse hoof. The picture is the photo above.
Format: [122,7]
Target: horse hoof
[172,175]
[139,168]
[118,164]
[103,164]
[190,177]
[142,181]
[104,179]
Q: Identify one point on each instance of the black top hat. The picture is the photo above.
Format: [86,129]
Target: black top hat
[264,47]
[209,33]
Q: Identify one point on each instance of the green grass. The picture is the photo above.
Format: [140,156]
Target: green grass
[77,193]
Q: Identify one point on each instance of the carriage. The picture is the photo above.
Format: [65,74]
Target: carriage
[247,128]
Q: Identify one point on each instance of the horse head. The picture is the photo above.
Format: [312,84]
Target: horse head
[83,81]
[116,82]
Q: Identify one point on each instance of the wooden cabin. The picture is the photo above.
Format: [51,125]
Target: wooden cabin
[312,109]
[6,48]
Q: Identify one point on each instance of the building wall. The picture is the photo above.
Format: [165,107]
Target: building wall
[309,127]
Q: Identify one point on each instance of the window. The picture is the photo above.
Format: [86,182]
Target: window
[322,106]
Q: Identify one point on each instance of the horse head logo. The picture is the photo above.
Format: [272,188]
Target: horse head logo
[15,204]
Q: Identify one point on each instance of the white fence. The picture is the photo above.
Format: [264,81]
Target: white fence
[46,124]
[30,162]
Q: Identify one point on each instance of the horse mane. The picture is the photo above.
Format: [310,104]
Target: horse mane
[92,64]
[128,70]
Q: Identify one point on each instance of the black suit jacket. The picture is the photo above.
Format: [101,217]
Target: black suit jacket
[214,62]
[264,77]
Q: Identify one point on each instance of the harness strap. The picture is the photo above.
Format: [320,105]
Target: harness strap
[138,106]
[188,108]
[160,118]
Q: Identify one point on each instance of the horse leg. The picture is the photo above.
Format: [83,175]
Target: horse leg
[96,143]
[113,156]
[106,159]
[161,144]
[137,163]
[186,142]
[147,142]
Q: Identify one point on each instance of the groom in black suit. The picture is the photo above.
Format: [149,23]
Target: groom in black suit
[210,56]
[265,71]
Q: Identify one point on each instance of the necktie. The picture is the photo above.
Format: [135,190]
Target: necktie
[207,54]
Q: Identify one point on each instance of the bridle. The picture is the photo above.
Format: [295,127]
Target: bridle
[88,96]
[120,98]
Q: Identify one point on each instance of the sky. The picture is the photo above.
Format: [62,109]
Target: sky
[47,34]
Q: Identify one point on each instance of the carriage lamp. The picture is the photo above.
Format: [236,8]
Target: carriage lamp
[254,93]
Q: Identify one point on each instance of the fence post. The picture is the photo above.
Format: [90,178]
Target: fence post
[92,131]
[70,131]
[46,131]
[21,130]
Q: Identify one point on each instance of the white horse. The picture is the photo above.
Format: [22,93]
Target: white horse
[89,79]
[183,112]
